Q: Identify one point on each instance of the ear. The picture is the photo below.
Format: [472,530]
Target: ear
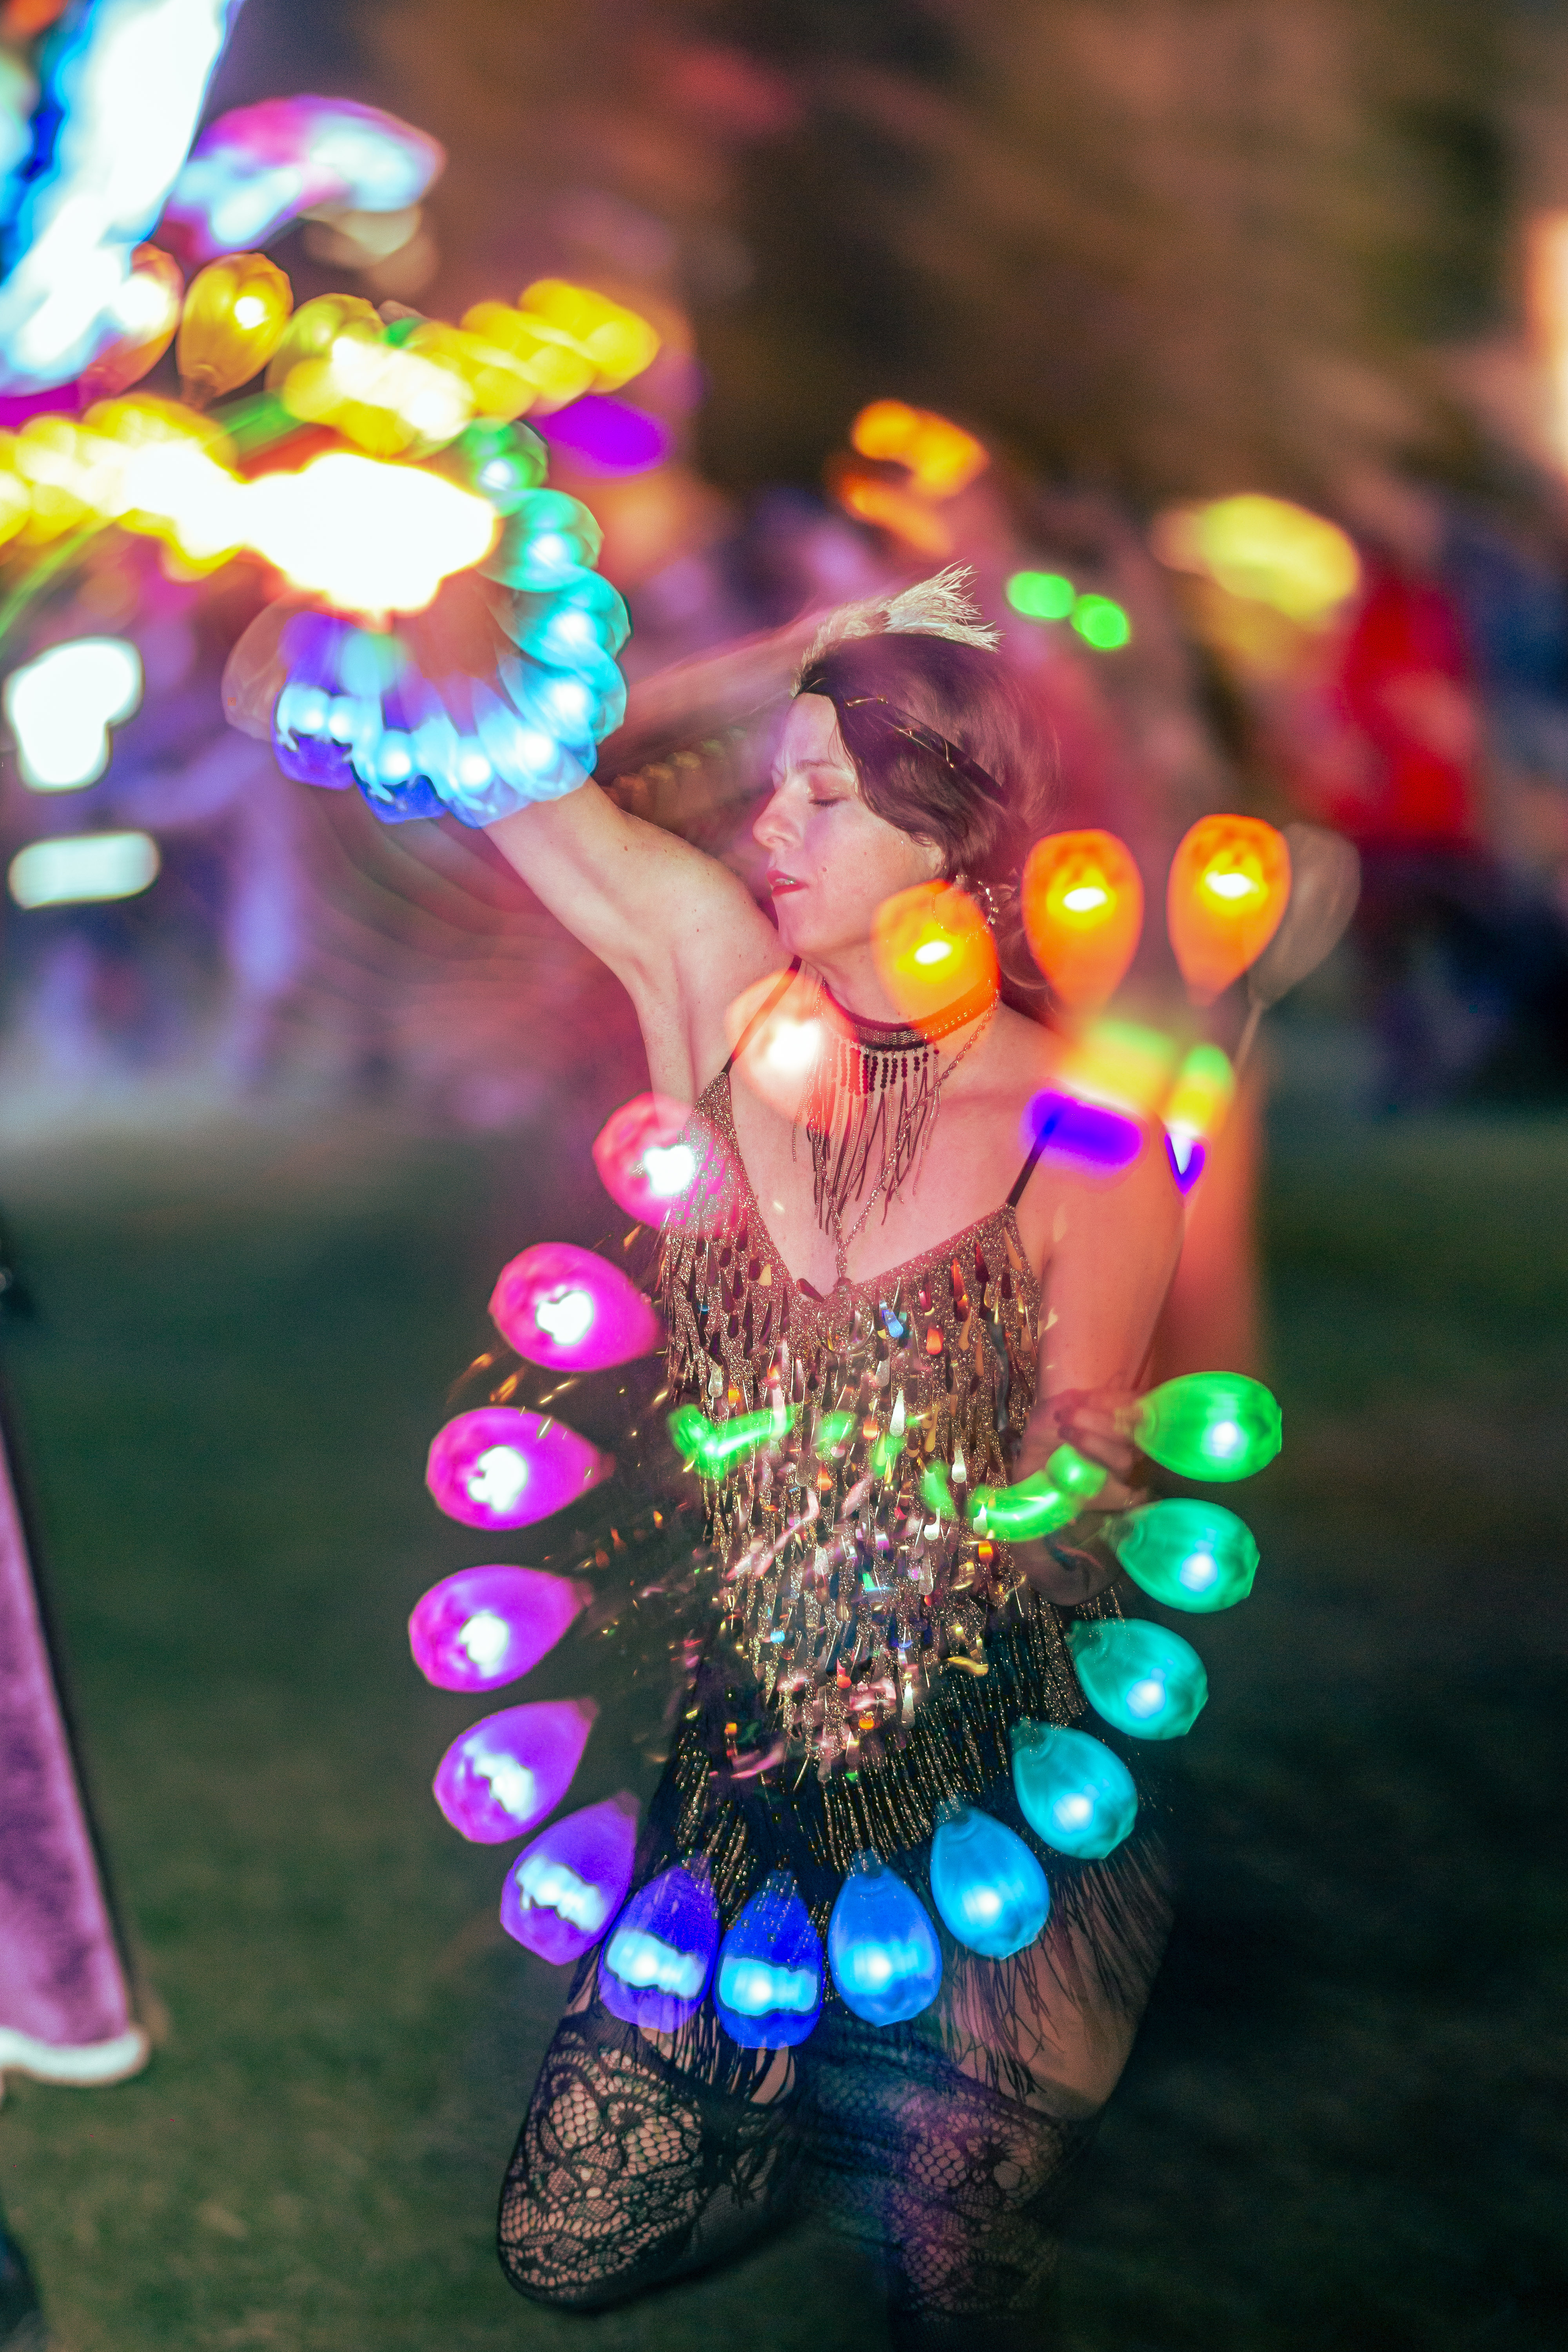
[933,858]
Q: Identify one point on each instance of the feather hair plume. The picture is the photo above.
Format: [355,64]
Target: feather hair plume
[942,606]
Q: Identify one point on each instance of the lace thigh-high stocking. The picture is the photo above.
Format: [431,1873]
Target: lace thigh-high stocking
[637,2163]
[955,2185]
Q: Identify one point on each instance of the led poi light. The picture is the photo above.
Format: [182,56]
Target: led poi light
[767,1988]
[483,1627]
[1143,1678]
[123,82]
[569,1309]
[655,1966]
[933,948]
[1188,1554]
[1216,1425]
[1073,1791]
[508,1771]
[1195,1110]
[784,1045]
[497,1467]
[1229,885]
[1019,1513]
[940,455]
[1082,904]
[257,167]
[643,1161]
[714,1448]
[81,869]
[563,1890]
[881,1945]
[147,312]
[235,313]
[987,1885]
[61,705]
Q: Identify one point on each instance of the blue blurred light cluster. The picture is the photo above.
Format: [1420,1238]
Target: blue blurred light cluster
[360,707]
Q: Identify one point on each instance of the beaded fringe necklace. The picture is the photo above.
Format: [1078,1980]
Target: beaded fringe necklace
[871,1106]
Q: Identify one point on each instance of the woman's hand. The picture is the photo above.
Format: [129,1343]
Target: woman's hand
[1099,1423]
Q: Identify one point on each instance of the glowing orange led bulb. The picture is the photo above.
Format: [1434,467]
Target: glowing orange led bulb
[933,950]
[1083,912]
[1229,885]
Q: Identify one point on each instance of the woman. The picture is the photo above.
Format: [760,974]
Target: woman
[806,1276]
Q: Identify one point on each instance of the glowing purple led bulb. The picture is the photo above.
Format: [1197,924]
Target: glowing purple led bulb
[509,1770]
[563,1890]
[486,1626]
[654,1966]
[565,1307]
[501,1468]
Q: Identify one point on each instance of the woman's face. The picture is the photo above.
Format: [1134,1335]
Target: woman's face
[831,861]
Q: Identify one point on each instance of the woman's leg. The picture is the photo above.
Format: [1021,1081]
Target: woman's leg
[949,2144]
[643,2157]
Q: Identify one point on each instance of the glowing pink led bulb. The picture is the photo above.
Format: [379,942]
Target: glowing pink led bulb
[560,1305]
[486,1626]
[501,1468]
[644,1164]
[563,1890]
[510,1769]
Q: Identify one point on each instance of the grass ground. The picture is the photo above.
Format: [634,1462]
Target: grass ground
[1344,2118]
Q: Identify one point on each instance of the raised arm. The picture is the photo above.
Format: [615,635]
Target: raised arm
[680,931]
[676,928]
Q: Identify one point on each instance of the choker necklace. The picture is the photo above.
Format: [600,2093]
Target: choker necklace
[873,1104]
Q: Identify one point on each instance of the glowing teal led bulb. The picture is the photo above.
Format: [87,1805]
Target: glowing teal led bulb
[1143,1679]
[1190,1555]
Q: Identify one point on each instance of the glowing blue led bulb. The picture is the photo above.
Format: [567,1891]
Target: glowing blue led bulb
[654,1966]
[768,1987]
[881,1945]
[988,1887]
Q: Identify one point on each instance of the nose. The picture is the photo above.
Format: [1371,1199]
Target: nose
[774,829]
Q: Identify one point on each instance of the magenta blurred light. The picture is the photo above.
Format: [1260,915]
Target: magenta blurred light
[486,1626]
[501,1468]
[610,435]
[513,1768]
[563,1306]
[644,1161]
[563,1890]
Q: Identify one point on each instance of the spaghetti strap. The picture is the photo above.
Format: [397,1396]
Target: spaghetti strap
[759,1016]
[1043,1134]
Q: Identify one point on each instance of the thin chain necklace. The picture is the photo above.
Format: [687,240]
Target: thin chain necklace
[874,1099]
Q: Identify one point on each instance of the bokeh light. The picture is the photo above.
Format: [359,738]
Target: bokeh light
[1083,913]
[1228,888]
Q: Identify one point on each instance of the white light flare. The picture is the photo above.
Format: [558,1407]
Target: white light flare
[61,705]
[83,869]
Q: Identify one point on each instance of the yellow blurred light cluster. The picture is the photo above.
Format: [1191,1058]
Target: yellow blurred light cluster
[389,400]
[1263,548]
[406,390]
[372,537]
[1120,1064]
[941,456]
[1202,1095]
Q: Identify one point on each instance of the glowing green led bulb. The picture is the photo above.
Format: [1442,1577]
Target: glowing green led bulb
[1217,1425]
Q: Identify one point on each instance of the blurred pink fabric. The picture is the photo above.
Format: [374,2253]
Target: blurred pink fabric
[65,2006]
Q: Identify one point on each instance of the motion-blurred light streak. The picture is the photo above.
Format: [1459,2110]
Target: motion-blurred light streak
[61,705]
[83,869]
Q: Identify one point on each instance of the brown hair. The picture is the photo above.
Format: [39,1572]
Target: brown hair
[967,697]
